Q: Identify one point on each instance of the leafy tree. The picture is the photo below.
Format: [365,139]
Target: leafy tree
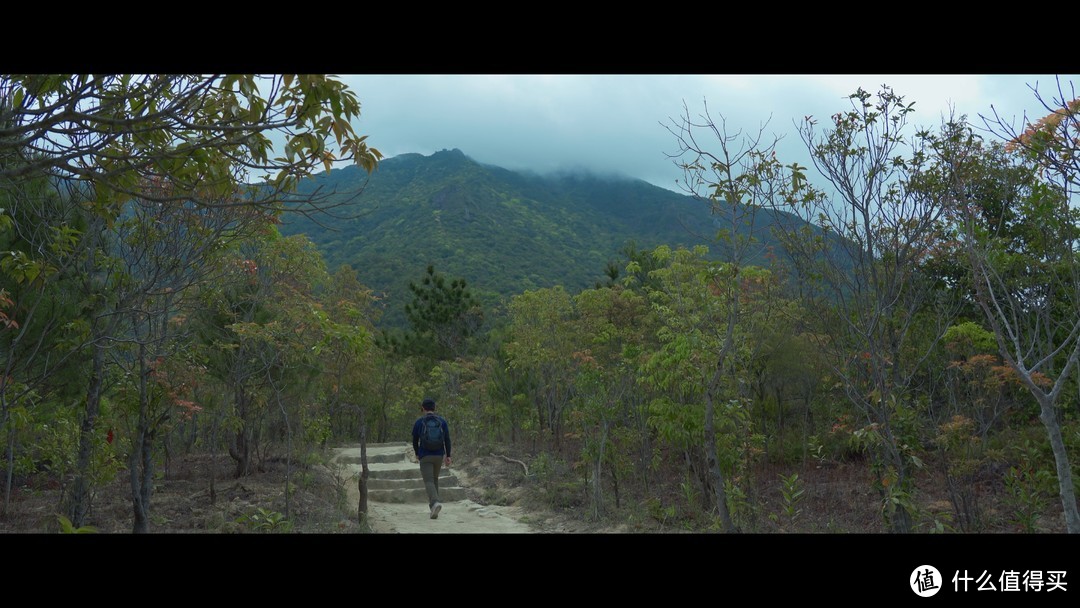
[1051,140]
[205,133]
[41,360]
[698,369]
[732,180]
[187,141]
[541,346]
[344,351]
[865,277]
[506,412]
[981,391]
[255,323]
[443,315]
[163,252]
[345,348]
[781,364]
[1029,294]
[390,371]
[138,272]
[981,386]
[612,323]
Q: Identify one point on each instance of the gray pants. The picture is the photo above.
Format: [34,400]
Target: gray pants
[430,467]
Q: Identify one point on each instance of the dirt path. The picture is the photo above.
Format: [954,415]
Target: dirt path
[398,505]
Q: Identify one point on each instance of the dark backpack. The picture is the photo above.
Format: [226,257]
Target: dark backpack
[431,434]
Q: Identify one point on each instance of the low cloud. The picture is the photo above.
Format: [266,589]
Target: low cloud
[612,124]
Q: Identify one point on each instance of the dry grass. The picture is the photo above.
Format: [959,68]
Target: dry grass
[838,498]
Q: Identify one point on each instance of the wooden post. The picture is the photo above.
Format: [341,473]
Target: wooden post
[362,507]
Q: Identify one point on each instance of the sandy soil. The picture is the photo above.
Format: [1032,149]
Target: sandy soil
[457,517]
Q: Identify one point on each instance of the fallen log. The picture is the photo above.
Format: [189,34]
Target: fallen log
[507,459]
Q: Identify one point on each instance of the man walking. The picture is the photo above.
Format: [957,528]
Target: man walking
[431,443]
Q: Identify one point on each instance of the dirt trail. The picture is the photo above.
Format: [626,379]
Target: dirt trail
[396,502]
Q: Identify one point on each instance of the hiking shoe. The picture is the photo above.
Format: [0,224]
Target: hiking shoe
[435,510]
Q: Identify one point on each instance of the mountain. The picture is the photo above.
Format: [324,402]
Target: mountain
[504,232]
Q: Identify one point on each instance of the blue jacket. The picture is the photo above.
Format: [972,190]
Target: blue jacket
[418,428]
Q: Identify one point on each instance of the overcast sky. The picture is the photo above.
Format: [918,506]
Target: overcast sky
[612,123]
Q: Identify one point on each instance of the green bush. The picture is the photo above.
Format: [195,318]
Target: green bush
[265,520]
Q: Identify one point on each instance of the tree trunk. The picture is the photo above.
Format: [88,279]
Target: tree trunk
[213,457]
[142,482]
[193,434]
[79,502]
[140,462]
[240,446]
[615,484]
[9,472]
[554,419]
[288,454]
[598,473]
[713,461]
[645,455]
[1066,489]
[901,521]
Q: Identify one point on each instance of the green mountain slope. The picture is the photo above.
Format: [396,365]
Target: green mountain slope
[502,231]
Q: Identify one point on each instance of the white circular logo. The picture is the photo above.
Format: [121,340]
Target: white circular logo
[925,581]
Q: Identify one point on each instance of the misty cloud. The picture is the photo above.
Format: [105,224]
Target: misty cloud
[613,124]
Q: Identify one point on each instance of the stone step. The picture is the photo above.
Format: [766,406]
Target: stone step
[411,472]
[388,446]
[445,481]
[415,495]
[393,477]
[408,470]
[377,458]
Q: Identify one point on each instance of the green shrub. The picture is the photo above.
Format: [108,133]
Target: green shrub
[265,520]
